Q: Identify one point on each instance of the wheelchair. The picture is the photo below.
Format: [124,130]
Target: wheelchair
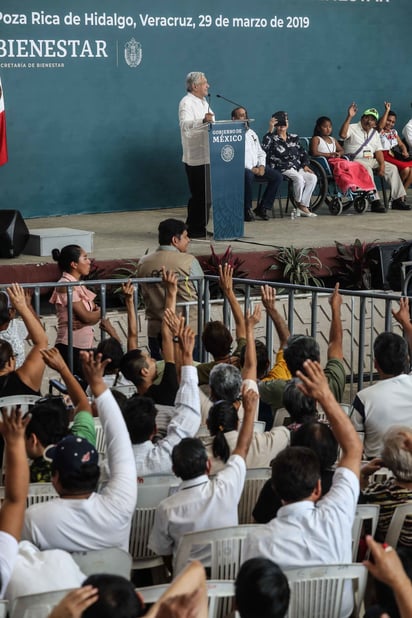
[336,200]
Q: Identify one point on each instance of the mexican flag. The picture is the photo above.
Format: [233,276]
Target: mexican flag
[3,137]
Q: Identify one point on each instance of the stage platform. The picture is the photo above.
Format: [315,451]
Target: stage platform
[129,235]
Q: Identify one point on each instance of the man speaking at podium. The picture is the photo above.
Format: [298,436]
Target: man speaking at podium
[255,167]
[194,115]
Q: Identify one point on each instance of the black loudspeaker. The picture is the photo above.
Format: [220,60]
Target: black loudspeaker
[380,257]
[13,233]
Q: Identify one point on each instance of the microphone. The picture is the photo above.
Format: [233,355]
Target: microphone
[208,102]
[219,96]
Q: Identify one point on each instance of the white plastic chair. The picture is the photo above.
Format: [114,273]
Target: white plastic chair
[100,437]
[151,491]
[4,606]
[41,492]
[216,589]
[281,418]
[19,400]
[111,560]
[364,512]
[225,545]
[38,492]
[318,590]
[400,513]
[38,605]
[255,479]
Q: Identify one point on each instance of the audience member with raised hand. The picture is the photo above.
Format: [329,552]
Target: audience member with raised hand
[27,379]
[201,503]
[80,518]
[132,331]
[49,419]
[112,596]
[393,148]
[403,317]
[12,329]
[386,566]
[141,369]
[12,428]
[140,414]
[75,603]
[302,347]
[216,337]
[75,264]
[306,514]
[185,597]
[280,369]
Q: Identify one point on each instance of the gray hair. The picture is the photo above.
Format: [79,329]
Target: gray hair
[193,78]
[225,382]
[396,453]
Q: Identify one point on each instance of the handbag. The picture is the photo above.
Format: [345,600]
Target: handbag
[397,153]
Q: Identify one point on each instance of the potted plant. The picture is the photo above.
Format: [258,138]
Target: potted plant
[298,266]
[211,267]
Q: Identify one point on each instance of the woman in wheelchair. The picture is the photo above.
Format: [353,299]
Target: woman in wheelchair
[351,178]
[285,153]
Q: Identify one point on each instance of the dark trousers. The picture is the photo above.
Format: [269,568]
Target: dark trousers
[198,207]
[272,177]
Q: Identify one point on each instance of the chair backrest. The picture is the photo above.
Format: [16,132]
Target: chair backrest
[110,560]
[281,418]
[100,437]
[364,513]
[216,589]
[127,389]
[397,523]
[36,605]
[318,590]
[226,545]
[23,400]
[255,479]
[38,492]
[151,491]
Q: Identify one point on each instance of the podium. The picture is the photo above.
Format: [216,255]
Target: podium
[227,177]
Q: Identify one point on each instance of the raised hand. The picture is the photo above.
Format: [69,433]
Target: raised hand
[226,278]
[53,359]
[268,295]
[313,382]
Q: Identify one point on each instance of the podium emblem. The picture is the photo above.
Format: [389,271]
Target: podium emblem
[227,153]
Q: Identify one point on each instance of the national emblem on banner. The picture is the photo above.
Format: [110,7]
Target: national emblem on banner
[133,53]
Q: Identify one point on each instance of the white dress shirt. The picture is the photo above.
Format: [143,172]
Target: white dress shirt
[305,533]
[194,133]
[103,519]
[156,458]
[199,504]
[254,153]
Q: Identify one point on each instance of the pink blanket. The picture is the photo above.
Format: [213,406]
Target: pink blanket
[350,175]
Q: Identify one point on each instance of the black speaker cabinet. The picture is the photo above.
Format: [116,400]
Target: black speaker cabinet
[380,257]
[13,233]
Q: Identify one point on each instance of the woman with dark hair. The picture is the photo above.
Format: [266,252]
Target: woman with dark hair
[223,423]
[27,379]
[74,264]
